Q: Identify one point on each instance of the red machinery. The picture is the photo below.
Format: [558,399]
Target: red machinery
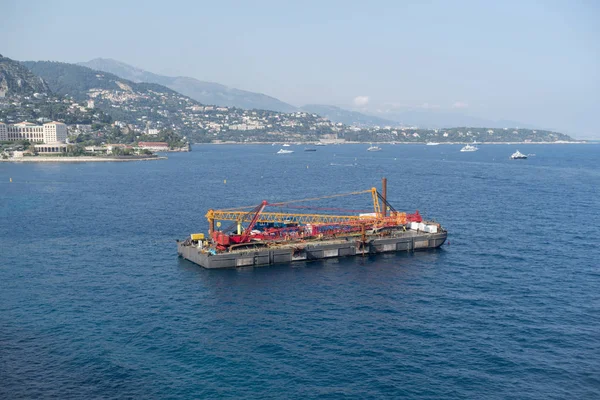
[292,226]
[223,239]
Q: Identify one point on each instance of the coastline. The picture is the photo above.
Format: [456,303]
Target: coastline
[79,159]
[390,143]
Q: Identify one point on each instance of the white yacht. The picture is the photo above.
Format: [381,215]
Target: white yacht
[469,148]
[283,151]
[432,144]
[286,145]
[374,148]
[517,155]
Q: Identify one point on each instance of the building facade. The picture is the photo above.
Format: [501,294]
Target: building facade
[53,148]
[51,132]
[154,146]
[55,132]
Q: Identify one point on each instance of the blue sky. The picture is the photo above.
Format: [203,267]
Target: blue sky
[537,62]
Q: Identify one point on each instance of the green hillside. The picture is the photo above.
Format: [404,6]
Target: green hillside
[18,80]
[76,81]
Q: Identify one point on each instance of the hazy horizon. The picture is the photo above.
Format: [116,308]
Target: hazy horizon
[522,61]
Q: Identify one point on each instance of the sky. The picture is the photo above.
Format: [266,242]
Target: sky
[537,62]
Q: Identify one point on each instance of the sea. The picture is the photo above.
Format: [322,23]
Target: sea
[96,304]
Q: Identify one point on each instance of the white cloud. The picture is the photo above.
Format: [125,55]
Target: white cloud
[361,101]
[460,104]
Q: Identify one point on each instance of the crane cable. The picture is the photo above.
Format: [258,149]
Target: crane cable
[301,200]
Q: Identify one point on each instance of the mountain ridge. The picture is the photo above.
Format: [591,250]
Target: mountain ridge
[210,93]
[76,81]
[150,106]
[82,94]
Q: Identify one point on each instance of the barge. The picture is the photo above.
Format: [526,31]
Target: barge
[259,238]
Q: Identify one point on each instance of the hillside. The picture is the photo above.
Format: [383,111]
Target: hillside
[456,135]
[18,80]
[76,81]
[116,106]
[346,117]
[139,104]
[142,106]
[204,92]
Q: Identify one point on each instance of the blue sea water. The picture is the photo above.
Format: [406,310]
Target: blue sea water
[94,302]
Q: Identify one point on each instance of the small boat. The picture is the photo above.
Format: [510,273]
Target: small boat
[286,145]
[310,149]
[283,151]
[517,155]
[431,144]
[469,148]
[320,144]
[374,148]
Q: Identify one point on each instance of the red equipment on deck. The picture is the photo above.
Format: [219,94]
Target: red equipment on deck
[291,226]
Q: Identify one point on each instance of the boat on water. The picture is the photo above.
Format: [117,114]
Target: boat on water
[432,144]
[374,148]
[284,151]
[320,144]
[286,145]
[310,149]
[517,155]
[469,148]
[259,236]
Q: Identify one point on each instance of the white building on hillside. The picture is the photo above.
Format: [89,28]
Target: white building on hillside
[55,132]
[51,132]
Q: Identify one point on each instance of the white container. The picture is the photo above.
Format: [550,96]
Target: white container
[422,226]
[414,226]
[431,228]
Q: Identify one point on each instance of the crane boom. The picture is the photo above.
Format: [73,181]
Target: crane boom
[376,207]
[277,217]
[283,225]
[255,218]
[286,218]
[259,216]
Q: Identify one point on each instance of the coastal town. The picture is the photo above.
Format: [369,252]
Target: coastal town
[21,141]
[193,123]
[54,109]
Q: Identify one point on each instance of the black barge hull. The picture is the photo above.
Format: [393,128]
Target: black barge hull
[287,253]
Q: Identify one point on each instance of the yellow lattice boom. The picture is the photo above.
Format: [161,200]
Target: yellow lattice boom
[315,219]
[378,219]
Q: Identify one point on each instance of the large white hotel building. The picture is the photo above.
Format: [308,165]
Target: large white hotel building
[51,132]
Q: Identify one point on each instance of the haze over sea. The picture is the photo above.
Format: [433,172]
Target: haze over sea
[94,302]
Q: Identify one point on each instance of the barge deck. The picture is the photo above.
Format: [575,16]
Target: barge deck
[314,250]
[257,237]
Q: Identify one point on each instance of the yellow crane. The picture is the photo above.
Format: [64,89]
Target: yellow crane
[241,216]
